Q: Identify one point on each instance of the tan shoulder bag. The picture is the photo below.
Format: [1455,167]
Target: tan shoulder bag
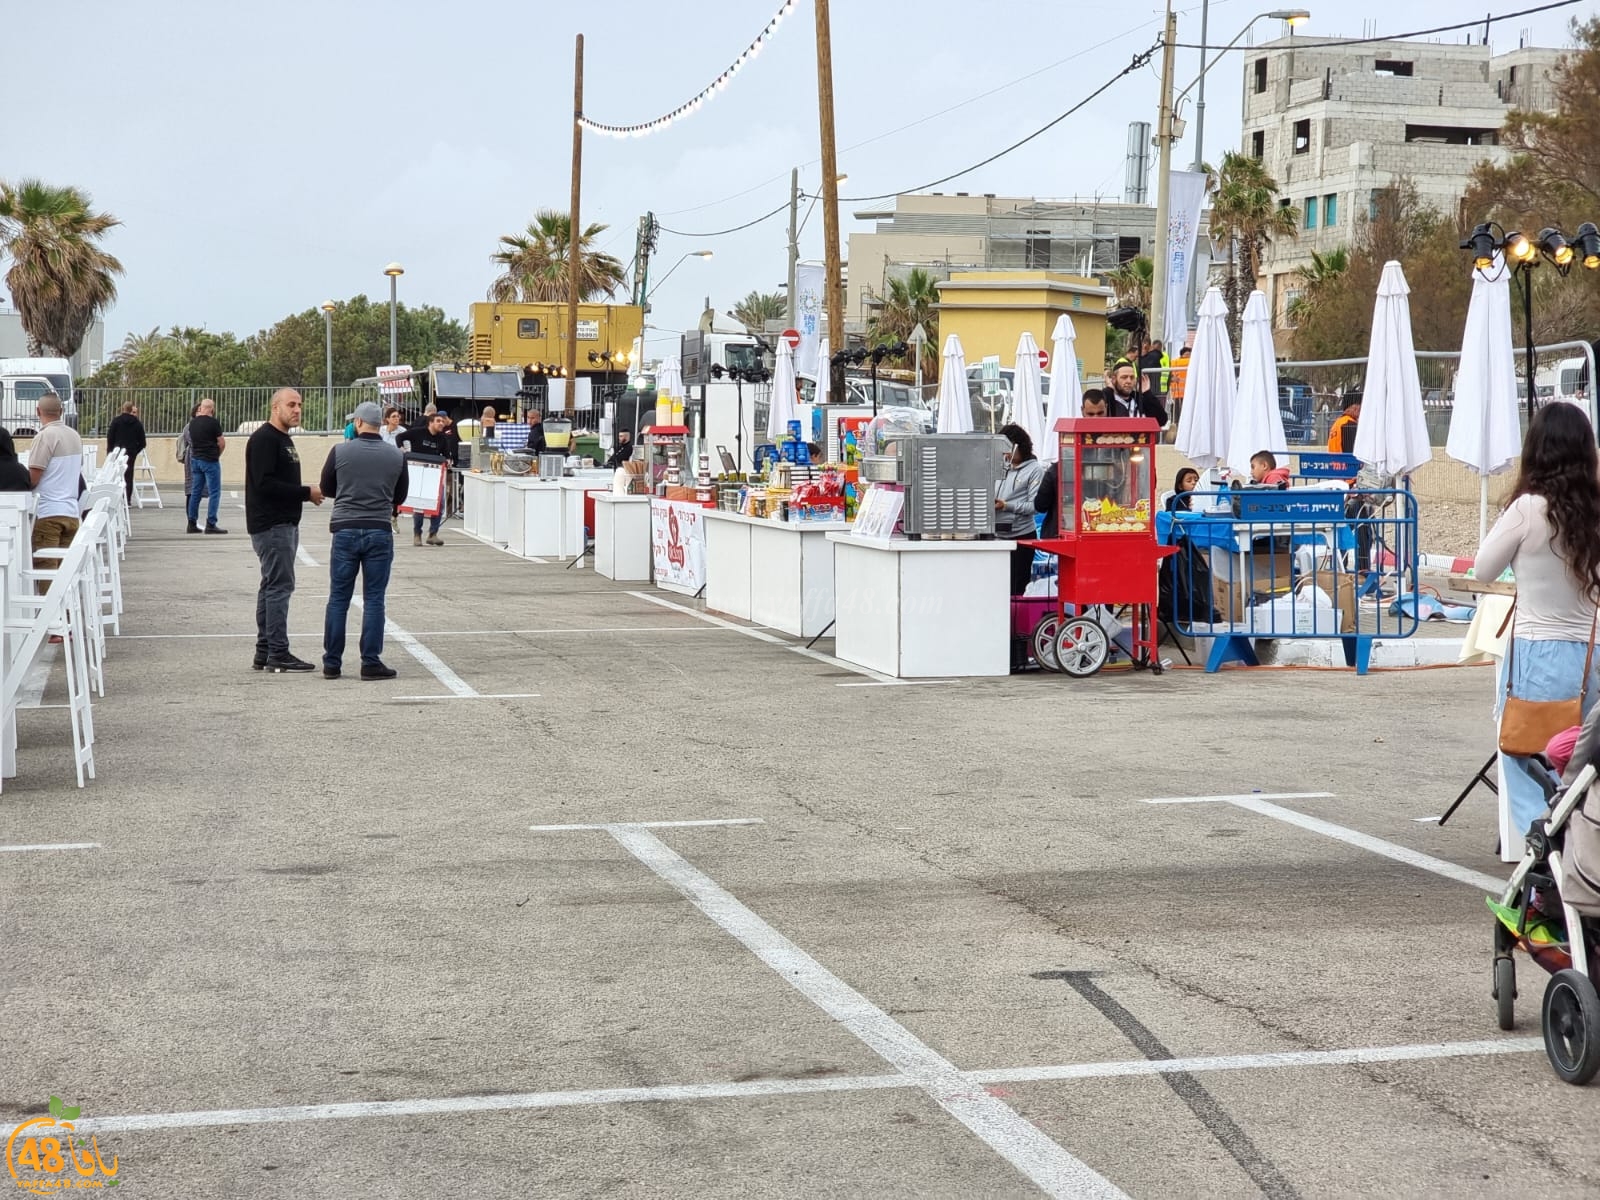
[1526,726]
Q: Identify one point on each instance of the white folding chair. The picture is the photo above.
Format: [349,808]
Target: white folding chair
[144,482]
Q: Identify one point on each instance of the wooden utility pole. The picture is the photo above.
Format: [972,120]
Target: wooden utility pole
[834,285]
[574,272]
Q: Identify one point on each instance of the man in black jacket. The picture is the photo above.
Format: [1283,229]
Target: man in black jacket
[126,433]
[428,441]
[273,499]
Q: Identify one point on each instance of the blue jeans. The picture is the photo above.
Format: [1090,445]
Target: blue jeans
[370,551]
[433,523]
[1546,670]
[207,474]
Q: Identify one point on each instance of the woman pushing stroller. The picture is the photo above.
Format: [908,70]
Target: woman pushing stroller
[1549,535]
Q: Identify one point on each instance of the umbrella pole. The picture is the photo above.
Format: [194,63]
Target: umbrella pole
[1483,507]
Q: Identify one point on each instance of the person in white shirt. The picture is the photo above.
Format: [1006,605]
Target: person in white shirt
[55,464]
[1549,535]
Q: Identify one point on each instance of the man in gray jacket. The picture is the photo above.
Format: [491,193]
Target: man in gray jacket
[366,479]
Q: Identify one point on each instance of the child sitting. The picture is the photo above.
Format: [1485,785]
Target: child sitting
[1265,471]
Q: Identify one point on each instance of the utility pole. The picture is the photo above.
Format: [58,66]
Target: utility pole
[573,272]
[794,246]
[834,286]
[1158,283]
[641,255]
[1200,100]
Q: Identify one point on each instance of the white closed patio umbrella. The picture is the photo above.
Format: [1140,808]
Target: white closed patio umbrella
[1485,424]
[782,409]
[1066,388]
[955,403]
[1392,434]
[1257,419]
[824,373]
[1027,399]
[1208,393]
[669,377]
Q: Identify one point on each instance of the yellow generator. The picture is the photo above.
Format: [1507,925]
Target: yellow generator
[535,336]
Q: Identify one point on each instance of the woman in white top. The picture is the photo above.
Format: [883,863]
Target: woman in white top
[391,424]
[1549,535]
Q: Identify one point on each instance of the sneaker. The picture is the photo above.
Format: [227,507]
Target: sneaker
[330,672]
[193,528]
[258,663]
[435,540]
[378,672]
[215,529]
[416,539]
[277,666]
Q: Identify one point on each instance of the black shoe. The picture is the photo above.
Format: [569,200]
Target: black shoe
[193,528]
[258,663]
[277,666]
[378,672]
[215,529]
[330,672]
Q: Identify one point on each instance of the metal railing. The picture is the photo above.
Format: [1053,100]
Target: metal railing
[166,411]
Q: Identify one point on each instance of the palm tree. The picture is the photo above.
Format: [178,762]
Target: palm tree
[60,279]
[1324,272]
[756,309]
[136,344]
[535,263]
[911,301]
[1133,283]
[1245,213]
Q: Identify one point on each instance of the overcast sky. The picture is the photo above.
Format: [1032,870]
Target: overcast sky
[264,158]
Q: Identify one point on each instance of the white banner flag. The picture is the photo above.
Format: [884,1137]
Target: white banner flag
[808,310]
[1188,195]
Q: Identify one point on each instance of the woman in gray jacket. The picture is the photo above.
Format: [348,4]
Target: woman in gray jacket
[1013,503]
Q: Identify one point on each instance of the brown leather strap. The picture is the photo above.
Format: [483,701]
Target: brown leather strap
[1588,658]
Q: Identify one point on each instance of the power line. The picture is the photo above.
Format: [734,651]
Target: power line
[1318,44]
[720,232]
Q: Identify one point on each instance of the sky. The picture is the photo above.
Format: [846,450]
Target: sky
[265,158]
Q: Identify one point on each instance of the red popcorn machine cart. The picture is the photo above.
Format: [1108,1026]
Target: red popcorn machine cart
[1107,546]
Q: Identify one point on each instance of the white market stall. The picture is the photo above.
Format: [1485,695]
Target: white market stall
[622,537]
[484,506]
[574,490]
[923,609]
[778,574]
[533,518]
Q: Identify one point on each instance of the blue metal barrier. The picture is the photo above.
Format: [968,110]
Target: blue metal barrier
[1294,563]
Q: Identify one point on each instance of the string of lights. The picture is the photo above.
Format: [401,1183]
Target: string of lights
[704,96]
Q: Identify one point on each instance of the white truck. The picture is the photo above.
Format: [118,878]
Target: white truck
[23,381]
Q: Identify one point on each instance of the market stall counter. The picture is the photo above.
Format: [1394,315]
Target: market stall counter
[533,518]
[575,516]
[485,506]
[622,536]
[923,609]
[776,573]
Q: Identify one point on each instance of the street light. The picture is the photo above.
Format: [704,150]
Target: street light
[327,328]
[1165,137]
[393,271]
[1522,255]
[670,270]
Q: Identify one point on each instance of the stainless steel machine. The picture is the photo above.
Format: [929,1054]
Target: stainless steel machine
[949,480]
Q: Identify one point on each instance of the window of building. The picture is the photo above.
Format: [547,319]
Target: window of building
[1392,66]
[1374,203]
[1128,248]
[1258,145]
[1330,210]
[1302,136]
[1261,75]
[1451,135]
[1036,250]
[528,327]
[1283,203]
[1311,212]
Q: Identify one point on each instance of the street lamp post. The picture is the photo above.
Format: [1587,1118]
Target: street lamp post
[670,270]
[327,328]
[393,271]
[1165,138]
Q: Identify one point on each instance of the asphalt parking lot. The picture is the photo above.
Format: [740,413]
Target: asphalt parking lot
[600,898]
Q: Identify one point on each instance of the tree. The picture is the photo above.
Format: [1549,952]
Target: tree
[1552,178]
[911,301]
[1316,280]
[1133,282]
[60,278]
[535,263]
[756,309]
[1246,213]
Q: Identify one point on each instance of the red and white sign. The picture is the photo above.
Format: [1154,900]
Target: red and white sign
[1044,360]
[395,381]
[792,336]
[678,545]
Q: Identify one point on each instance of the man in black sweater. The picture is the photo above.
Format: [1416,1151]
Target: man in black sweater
[126,433]
[273,499]
[427,442]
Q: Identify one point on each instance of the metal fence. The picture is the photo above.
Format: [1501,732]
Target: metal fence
[166,411]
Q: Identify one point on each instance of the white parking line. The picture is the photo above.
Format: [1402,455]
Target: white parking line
[1353,837]
[608,825]
[1010,1135]
[474,696]
[50,846]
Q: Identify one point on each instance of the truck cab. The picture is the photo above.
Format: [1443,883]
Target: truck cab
[23,381]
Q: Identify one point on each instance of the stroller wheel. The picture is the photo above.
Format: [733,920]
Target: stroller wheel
[1505,992]
[1572,1026]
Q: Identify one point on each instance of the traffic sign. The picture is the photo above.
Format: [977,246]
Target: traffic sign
[1044,359]
[792,336]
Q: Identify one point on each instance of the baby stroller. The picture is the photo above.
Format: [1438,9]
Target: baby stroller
[1551,911]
